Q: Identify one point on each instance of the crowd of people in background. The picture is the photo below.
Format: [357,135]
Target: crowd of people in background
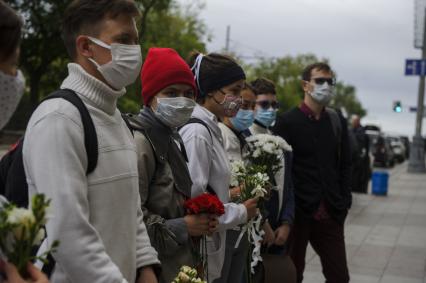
[120,217]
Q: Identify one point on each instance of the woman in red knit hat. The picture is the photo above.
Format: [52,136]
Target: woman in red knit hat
[168,92]
[219,80]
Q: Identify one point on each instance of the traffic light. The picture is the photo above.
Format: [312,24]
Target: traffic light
[397,106]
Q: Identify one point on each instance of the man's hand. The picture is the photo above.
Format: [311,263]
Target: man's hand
[269,237]
[147,275]
[251,206]
[13,276]
[281,234]
[234,193]
[198,224]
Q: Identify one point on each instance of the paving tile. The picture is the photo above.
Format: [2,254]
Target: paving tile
[372,256]
[375,272]
[398,279]
[313,277]
[415,220]
[310,254]
[369,219]
[393,219]
[383,236]
[405,272]
[361,278]
[356,234]
[413,236]
[409,252]
[418,208]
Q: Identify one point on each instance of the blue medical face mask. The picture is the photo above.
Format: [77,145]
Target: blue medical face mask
[266,117]
[243,120]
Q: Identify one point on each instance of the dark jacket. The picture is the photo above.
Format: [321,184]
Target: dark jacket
[321,166]
[164,185]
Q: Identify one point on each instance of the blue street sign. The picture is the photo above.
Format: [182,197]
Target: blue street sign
[415,67]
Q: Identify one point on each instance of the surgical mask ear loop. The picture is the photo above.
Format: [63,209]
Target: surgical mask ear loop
[196,69]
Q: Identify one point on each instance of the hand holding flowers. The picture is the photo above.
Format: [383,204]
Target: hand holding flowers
[22,230]
[209,206]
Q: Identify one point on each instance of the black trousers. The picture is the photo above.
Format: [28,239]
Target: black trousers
[327,239]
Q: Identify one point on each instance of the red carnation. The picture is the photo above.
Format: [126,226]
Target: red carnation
[205,203]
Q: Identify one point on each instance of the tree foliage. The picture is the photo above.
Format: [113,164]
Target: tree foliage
[346,99]
[44,58]
[286,73]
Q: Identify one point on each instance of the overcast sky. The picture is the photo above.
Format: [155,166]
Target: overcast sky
[366,41]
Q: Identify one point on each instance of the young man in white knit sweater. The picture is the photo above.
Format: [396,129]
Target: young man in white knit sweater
[97,218]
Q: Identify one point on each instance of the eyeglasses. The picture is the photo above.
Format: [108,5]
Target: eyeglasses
[266,104]
[248,104]
[321,81]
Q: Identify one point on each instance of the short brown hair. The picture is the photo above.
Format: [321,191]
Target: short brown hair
[320,66]
[10,30]
[84,17]
[263,86]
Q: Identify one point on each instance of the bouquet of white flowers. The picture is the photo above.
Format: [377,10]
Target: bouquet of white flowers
[187,275]
[22,230]
[252,180]
[266,150]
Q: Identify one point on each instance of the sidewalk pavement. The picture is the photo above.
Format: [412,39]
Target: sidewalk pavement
[385,236]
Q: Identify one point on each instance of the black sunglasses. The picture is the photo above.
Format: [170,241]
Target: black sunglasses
[266,104]
[321,81]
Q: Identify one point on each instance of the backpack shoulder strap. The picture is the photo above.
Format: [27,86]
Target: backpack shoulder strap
[90,137]
[194,120]
[335,123]
[129,119]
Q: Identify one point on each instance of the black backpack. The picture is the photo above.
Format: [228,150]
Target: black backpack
[13,182]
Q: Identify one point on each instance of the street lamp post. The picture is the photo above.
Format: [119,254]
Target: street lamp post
[416,163]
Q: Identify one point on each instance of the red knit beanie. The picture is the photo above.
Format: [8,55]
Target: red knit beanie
[164,67]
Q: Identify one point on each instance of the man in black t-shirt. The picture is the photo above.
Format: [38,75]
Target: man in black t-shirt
[321,174]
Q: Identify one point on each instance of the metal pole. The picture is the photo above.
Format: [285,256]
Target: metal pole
[417,153]
[228,38]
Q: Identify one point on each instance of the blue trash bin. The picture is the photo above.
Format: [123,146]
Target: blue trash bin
[379,182]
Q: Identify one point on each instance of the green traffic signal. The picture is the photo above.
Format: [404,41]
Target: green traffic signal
[397,106]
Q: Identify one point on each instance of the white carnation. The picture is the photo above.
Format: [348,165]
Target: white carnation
[21,216]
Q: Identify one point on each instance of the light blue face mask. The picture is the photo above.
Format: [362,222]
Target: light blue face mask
[266,117]
[243,120]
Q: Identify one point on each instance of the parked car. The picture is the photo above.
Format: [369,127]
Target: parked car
[398,148]
[383,153]
[372,137]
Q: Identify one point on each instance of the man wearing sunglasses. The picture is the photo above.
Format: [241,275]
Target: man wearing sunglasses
[266,104]
[321,174]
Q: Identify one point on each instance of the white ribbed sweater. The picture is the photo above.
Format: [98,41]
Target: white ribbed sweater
[97,218]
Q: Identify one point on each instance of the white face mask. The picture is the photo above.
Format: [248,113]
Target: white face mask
[174,112]
[322,94]
[125,65]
